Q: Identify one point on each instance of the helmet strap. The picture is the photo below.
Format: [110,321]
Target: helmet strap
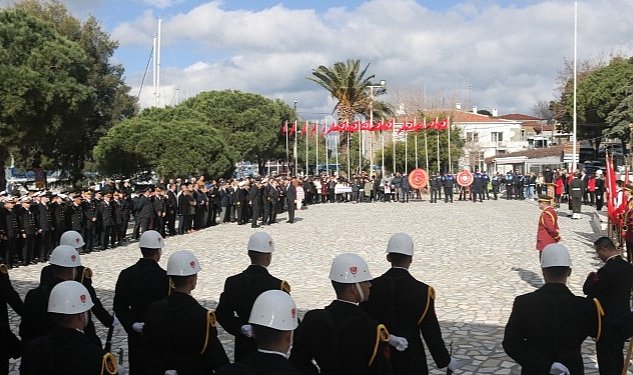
[360,292]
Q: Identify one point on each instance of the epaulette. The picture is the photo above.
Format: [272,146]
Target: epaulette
[429,296]
[600,314]
[285,286]
[211,322]
[4,269]
[86,274]
[109,364]
[382,335]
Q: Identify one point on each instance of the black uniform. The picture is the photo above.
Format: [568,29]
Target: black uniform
[291,197]
[9,343]
[29,229]
[76,218]
[172,210]
[144,213]
[180,334]
[612,286]
[342,339]
[45,222]
[90,219]
[236,302]
[448,181]
[407,308]
[105,214]
[35,319]
[255,198]
[549,325]
[10,227]
[436,186]
[136,288]
[260,363]
[64,351]
[576,192]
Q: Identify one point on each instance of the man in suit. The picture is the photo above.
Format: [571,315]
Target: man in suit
[11,346]
[255,198]
[145,210]
[407,308]
[241,290]
[548,326]
[291,197]
[273,319]
[612,286]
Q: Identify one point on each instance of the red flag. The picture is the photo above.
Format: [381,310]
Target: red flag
[293,129]
[406,126]
[612,193]
[284,128]
[375,127]
[365,125]
[313,129]
[386,126]
[431,125]
[442,125]
[419,126]
[353,127]
[304,130]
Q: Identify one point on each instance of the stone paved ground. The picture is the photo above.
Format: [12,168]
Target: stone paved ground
[477,256]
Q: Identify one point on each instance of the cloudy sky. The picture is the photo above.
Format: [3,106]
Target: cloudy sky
[486,53]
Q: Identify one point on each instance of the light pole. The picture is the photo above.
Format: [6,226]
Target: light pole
[382,84]
[295,144]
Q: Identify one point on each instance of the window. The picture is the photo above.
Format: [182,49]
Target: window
[472,137]
[497,136]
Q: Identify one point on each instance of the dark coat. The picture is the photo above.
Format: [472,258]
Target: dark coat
[9,343]
[179,334]
[342,339]
[236,301]
[549,325]
[406,307]
[63,351]
[260,363]
[612,286]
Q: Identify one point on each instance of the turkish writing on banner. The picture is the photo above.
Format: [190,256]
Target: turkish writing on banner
[357,126]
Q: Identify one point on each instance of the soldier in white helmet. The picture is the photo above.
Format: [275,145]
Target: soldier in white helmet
[407,307]
[179,333]
[273,318]
[35,322]
[84,276]
[66,349]
[241,290]
[548,326]
[343,338]
[137,287]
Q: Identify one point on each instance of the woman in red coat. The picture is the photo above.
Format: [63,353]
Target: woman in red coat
[559,188]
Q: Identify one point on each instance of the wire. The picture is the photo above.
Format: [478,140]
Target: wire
[151,53]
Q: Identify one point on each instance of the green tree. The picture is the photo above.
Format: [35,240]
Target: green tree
[44,90]
[250,123]
[168,145]
[110,100]
[621,117]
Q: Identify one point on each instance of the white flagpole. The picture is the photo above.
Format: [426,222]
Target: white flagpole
[316,147]
[327,157]
[438,146]
[449,128]
[294,150]
[349,154]
[338,139]
[393,146]
[416,145]
[573,163]
[307,141]
[287,149]
[426,146]
[382,152]
[406,150]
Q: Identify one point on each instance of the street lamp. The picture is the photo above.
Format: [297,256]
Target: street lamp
[381,85]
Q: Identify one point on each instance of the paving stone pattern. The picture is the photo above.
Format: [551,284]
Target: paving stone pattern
[477,256]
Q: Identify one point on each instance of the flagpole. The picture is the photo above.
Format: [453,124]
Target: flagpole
[316,147]
[573,163]
[338,139]
[450,163]
[307,141]
[416,145]
[327,157]
[393,146]
[382,152]
[360,149]
[294,150]
[438,146]
[426,146]
[349,154]
[406,149]
[287,149]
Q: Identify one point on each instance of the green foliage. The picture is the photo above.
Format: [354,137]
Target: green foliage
[206,135]
[169,147]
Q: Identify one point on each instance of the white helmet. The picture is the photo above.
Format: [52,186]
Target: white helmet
[182,263]
[400,243]
[72,238]
[65,256]
[274,309]
[555,255]
[599,172]
[349,268]
[261,242]
[69,297]
[151,239]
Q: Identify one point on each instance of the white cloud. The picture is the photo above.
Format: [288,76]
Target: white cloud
[510,55]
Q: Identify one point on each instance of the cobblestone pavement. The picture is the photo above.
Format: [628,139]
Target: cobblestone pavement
[478,257]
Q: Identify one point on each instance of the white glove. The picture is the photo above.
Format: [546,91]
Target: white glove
[247,330]
[171,372]
[400,343]
[138,327]
[122,370]
[453,364]
[558,369]
[115,322]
